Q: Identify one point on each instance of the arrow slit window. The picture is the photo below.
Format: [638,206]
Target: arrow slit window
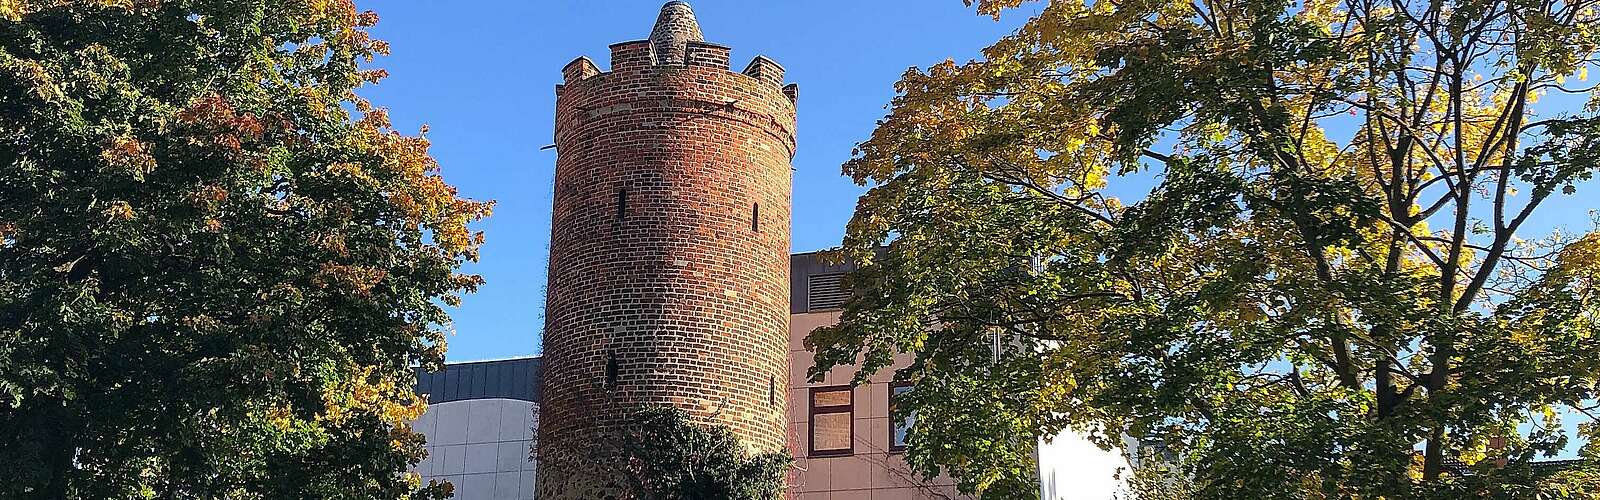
[622,203]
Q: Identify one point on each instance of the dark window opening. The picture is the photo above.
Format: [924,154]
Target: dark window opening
[611,370]
[755,218]
[772,390]
[622,203]
[899,427]
[832,421]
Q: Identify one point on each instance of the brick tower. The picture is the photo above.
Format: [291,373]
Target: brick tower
[669,247]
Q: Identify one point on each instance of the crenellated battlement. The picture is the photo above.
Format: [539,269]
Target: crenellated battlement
[674,44]
[579,69]
[630,55]
[765,70]
[707,54]
[638,54]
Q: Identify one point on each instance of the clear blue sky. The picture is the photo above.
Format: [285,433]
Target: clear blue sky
[483,79]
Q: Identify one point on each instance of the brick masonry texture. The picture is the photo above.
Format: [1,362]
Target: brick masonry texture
[656,266]
[674,27]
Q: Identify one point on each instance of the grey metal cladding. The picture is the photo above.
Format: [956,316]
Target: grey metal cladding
[450,385]
[826,291]
[435,380]
[524,371]
[507,378]
[480,380]
[802,266]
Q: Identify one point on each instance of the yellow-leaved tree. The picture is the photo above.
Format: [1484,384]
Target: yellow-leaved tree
[1321,279]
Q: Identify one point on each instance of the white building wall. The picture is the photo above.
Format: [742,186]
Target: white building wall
[1072,468]
[481,446]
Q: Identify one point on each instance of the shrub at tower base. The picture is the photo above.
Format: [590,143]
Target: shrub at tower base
[661,454]
[213,279]
[1346,262]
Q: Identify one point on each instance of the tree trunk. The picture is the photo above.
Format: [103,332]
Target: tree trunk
[56,450]
[1433,455]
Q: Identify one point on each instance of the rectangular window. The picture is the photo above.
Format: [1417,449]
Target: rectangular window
[832,421]
[611,370]
[622,203]
[897,432]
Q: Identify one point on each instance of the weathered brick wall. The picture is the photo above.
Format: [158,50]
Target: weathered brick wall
[654,259]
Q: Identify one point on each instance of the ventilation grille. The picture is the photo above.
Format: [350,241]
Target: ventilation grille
[825,291]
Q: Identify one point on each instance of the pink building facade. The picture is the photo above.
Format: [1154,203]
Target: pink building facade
[843,438]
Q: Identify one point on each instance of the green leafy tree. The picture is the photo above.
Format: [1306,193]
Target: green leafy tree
[217,262]
[1154,477]
[1330,291]
[663,454]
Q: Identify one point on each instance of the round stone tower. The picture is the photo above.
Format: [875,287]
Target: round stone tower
[669,247]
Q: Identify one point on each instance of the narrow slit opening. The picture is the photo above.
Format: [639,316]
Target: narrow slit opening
[611,370]
[622,203]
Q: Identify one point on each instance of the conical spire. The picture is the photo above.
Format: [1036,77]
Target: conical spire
[675,28]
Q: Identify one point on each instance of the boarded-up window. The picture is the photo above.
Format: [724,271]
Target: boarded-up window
[832,421]
[825,291]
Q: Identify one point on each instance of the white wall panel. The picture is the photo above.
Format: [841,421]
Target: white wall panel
[1072,468]
[481,446]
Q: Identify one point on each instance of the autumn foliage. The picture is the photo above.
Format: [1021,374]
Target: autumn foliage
[1298,243]
[218,263]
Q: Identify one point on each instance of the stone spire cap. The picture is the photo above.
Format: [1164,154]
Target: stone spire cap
[675,28]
